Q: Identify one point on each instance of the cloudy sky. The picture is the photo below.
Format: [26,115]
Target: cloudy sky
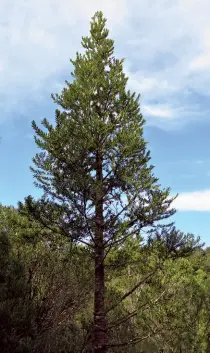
[166,46]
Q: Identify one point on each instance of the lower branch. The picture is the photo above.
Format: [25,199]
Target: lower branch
[140,283]
[133,341]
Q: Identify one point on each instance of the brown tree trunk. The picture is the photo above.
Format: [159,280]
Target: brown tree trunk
[99,324]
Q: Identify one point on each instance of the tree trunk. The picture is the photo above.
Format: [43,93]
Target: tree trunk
[99,328]
[99,325]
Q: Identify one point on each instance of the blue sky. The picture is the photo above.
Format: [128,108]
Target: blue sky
[166,46]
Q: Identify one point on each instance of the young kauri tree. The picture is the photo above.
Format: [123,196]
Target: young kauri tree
[99,188]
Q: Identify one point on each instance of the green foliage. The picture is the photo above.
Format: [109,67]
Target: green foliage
[46,299]
[98,117]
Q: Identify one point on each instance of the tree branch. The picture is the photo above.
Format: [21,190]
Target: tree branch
[134,313]
[140,283]
[133,341]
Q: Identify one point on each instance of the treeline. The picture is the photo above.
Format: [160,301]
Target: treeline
[94,266]
[157,299]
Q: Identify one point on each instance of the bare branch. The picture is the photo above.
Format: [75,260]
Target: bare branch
[139,284]
[135,312]
[133,341]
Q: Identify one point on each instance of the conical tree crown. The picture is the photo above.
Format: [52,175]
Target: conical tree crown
[99,120]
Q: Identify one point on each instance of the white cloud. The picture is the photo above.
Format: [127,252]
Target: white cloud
[158,111]
[201,63]
[166,45]
[154,84]
[37,40]
[193,201]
